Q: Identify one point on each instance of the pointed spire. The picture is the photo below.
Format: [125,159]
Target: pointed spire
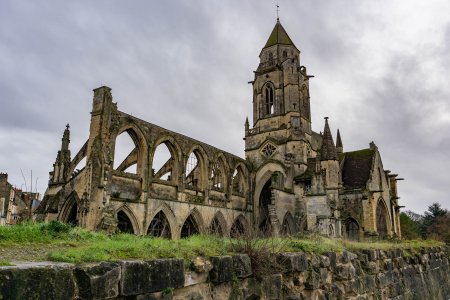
[247,125]
[66,138]
[279,36]
[328,150]
[339,146]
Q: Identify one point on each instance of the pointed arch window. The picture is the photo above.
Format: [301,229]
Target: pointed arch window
[269,99]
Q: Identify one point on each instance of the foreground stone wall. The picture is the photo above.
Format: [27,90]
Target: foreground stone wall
[371,274]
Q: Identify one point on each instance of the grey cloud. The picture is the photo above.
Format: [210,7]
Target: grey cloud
[185,65]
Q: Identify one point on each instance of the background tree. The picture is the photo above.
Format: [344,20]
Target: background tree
[432,216]
[410,225]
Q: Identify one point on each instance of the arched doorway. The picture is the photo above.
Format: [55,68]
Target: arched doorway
[264,202]
[124,223]
[351,229]
[190,227]
[72,217]
[159,226]
[382,219]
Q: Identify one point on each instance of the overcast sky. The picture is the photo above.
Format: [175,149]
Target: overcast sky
[381,73]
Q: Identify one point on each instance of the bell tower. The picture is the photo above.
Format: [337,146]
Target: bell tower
[281,104]
[281,85]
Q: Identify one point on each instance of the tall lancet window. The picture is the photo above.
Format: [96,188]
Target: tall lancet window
[269,97]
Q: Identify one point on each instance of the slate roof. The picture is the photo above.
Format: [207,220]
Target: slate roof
[356,167]
[278,36]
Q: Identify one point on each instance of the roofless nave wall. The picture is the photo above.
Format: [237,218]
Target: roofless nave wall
[292,179]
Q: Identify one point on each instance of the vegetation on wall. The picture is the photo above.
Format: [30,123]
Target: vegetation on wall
[61,242]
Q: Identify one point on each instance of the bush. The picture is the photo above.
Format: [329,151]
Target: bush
[56,228]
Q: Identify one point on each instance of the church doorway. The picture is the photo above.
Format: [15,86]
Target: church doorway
[352,229]
[264,202]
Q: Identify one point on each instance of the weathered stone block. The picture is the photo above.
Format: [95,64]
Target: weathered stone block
[222,270]
[45,281]
[293,262]
[324,261]
[98,281]
[346,257]
[332,257]
[242,265]
[140,277]
[345,272]
[372,254]
[313,281]
[272,286]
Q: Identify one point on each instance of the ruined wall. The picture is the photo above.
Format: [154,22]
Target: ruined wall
[371,274]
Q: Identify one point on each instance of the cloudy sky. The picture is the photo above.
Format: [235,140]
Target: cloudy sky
[381,73]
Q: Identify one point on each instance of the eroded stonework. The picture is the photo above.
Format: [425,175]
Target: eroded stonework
[291,180]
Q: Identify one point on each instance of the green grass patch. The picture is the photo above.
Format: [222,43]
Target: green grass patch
[61,242]
[5,263]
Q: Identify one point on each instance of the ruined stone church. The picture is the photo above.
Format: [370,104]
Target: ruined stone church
[292,179]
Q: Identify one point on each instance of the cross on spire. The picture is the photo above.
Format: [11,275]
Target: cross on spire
[278,9]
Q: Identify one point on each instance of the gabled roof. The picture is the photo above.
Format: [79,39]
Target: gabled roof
[356,168]
[279,36]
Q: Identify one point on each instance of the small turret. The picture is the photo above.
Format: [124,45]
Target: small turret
[247,126]
[339,146]
[61,166]
[328,150]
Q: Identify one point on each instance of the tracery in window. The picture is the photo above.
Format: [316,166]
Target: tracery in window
[269,97]
[268,150]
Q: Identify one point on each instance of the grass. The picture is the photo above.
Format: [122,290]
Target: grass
[60,242]
[5,263]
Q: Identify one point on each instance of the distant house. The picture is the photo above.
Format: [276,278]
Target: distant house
[15,204]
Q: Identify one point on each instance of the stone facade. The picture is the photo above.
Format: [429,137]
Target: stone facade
[291,180]
[367,274]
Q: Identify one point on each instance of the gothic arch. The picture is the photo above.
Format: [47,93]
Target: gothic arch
[78,158]
[141,146]
[239,181]
[69,210]
[269,98]
[288,225]
[219,173]
[193,224]
[351,229]
[175,152]
[239,227]
[262,176]
[382,218]
[203,162]
[131,216]
[170,217]
[218,225]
